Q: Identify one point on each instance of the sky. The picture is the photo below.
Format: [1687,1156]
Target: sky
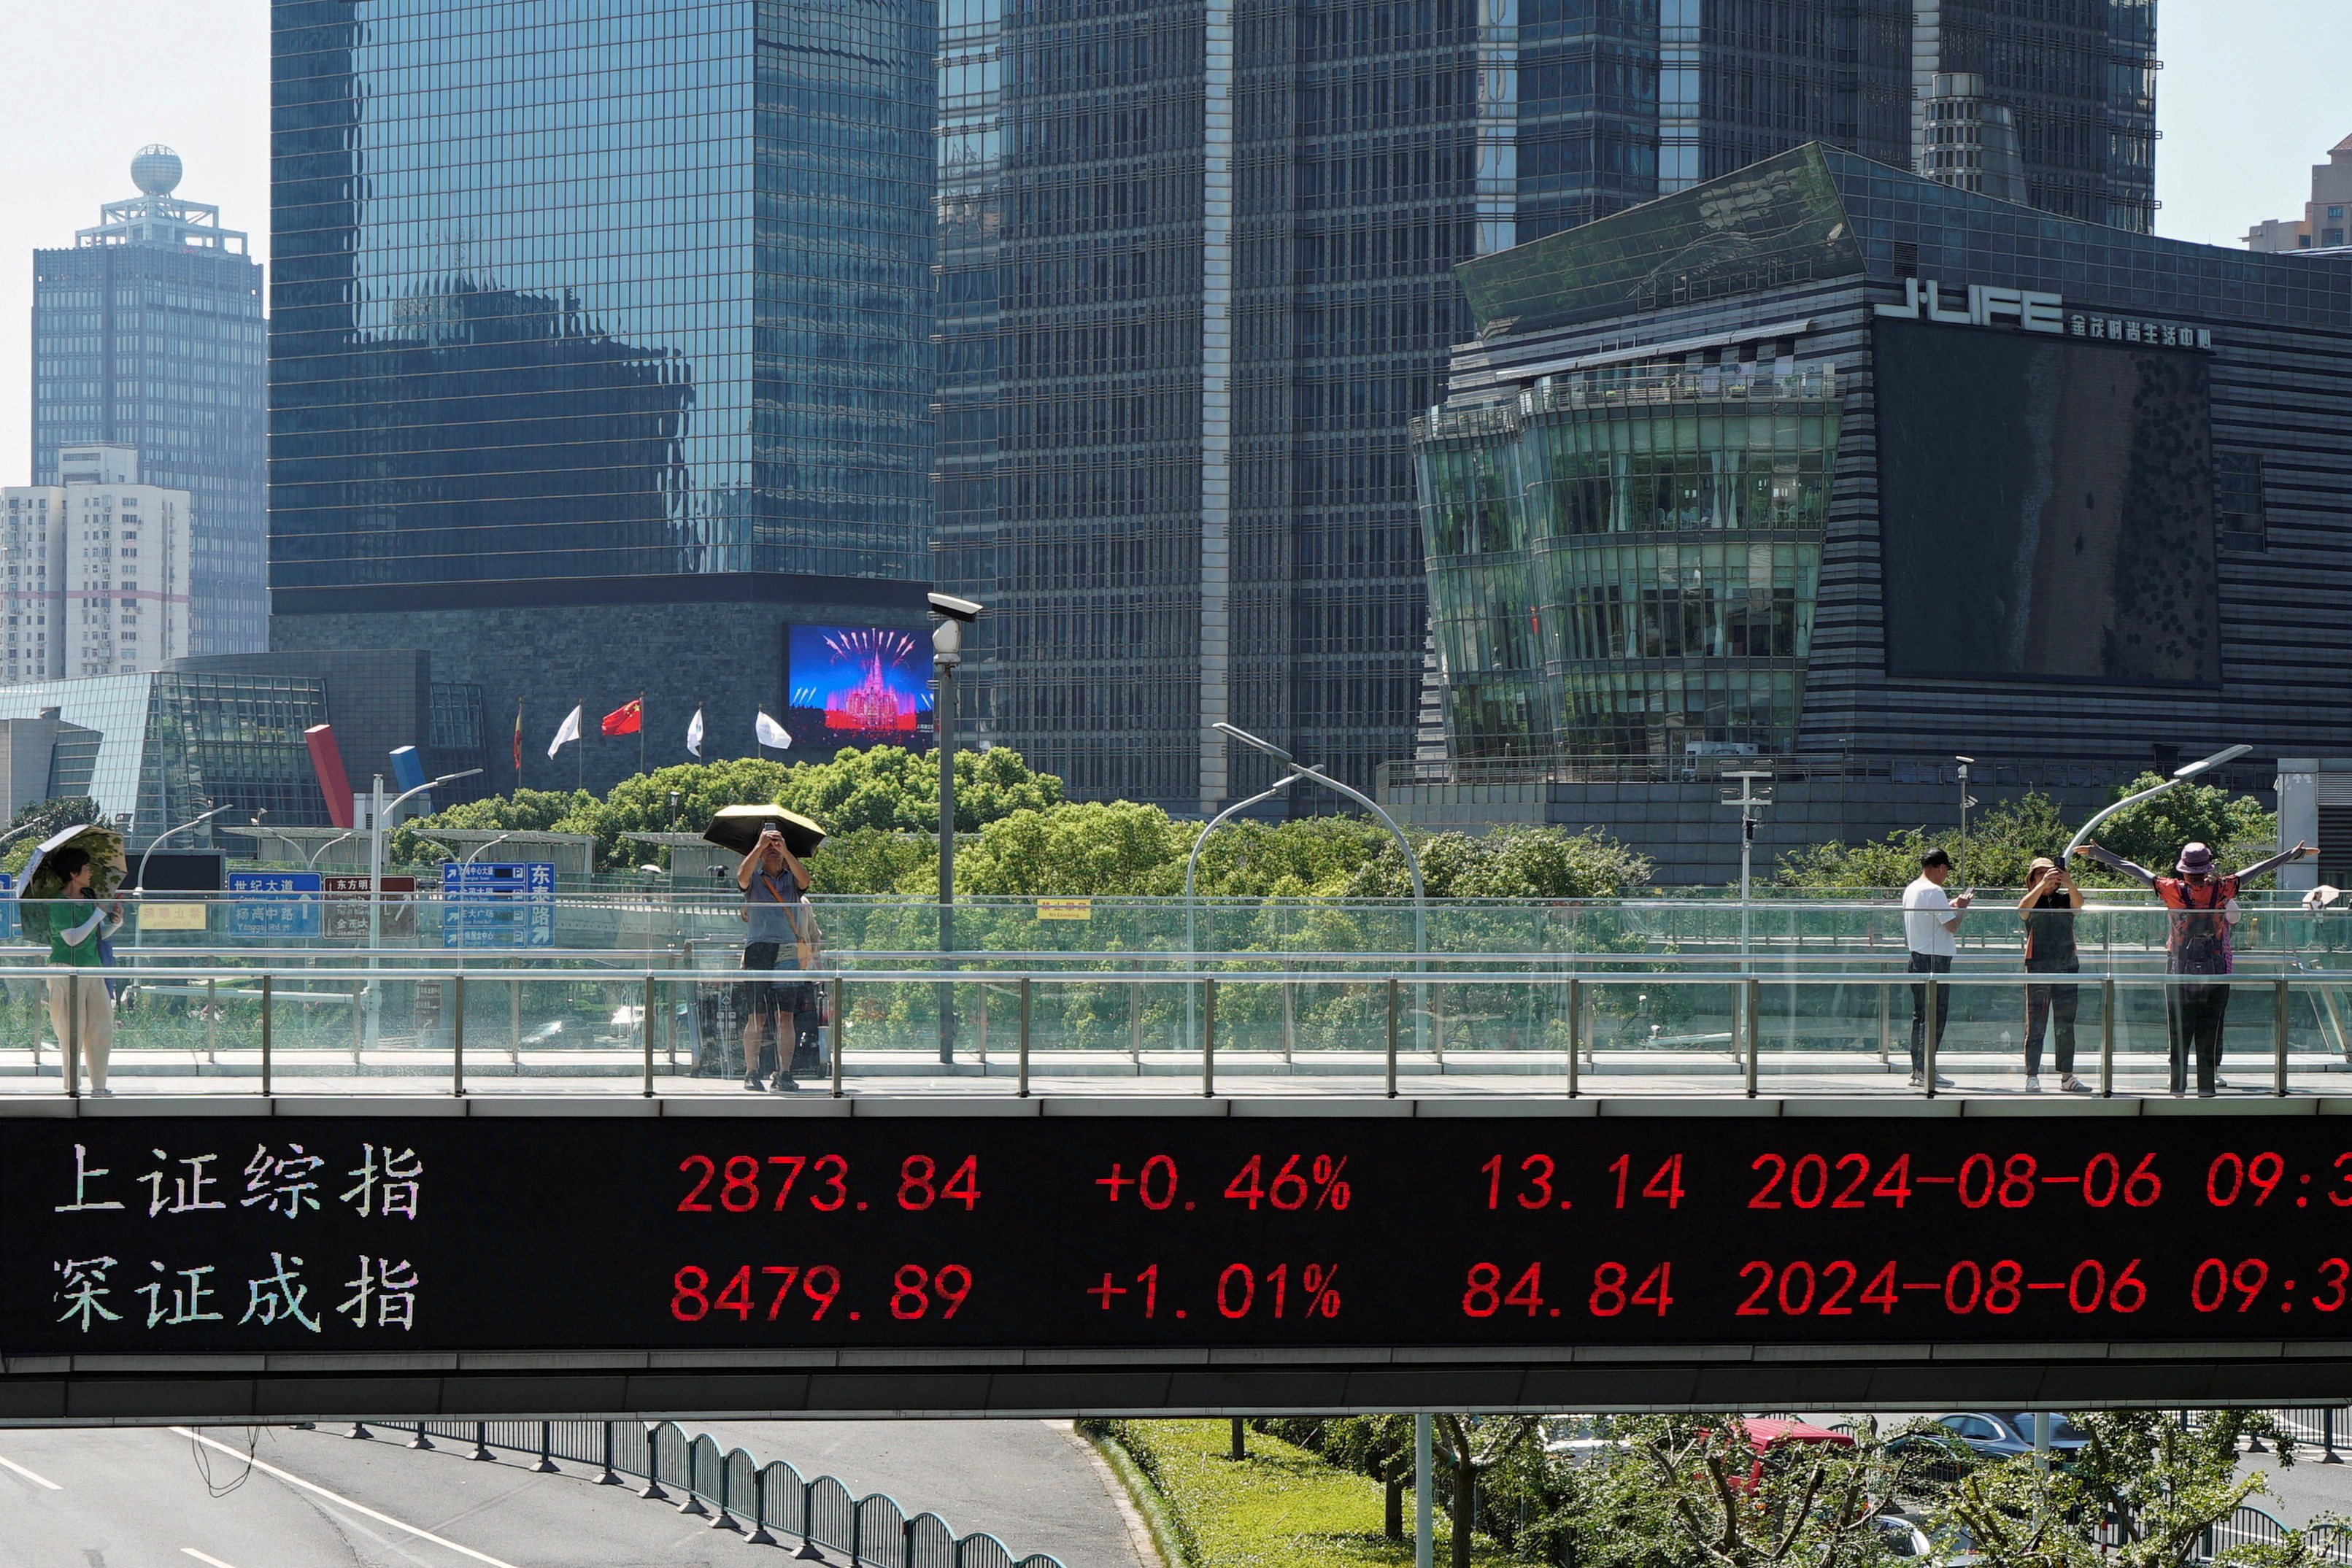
[2252,94]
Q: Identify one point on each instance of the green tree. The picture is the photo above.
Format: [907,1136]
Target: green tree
[525,810]
[883,789]
[1093,849]
[1688,1492]
[2165,1480]
[60,812]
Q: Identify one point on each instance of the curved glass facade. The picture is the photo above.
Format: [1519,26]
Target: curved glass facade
[1626,564]
[613,288]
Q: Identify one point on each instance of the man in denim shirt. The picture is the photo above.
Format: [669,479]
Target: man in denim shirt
[775,889]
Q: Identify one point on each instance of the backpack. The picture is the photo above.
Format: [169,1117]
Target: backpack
[2199,943]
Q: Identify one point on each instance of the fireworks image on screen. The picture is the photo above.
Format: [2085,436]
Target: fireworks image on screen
[857,682]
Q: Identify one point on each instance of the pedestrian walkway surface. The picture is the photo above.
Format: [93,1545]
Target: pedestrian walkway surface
[1033,1485]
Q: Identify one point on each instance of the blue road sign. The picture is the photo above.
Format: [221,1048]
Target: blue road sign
[497,905]
[272,904]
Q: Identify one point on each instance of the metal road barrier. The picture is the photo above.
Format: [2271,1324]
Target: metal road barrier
[1585,1026]
[732,1490]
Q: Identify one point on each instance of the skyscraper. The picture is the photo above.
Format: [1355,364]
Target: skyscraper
[97,571]
[147,333]
[1198,272]
[599,341]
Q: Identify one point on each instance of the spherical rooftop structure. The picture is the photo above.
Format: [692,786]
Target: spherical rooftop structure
[156,169]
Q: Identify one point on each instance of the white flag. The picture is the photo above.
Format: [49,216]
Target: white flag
[694,734]
[772,734]
[567,732]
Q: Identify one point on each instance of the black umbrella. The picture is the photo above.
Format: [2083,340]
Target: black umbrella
[738,827]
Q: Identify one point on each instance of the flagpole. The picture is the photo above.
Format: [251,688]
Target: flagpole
[579,753]
[641,732]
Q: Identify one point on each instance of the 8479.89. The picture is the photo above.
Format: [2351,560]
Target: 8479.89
[1612,1290]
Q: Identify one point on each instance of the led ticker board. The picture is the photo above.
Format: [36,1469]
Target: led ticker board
[1167,1234]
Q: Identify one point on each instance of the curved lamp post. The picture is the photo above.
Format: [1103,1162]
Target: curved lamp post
[183,827]
[2179,776]
[1299,769]
[310,861]
[476,851]
[379,808]
[1192,864]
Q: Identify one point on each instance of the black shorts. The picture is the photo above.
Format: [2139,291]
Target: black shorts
[761,998]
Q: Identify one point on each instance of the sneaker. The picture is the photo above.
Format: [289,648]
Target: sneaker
[2034,1083]
[2074,1085]
[2220,1083]
[754,1084]
[784,1084]
[1914,1081]
[1944,1082]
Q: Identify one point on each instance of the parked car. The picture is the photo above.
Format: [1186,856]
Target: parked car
[2002,1434]
[1908,1537]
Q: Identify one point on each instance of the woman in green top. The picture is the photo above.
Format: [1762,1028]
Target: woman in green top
[77,924]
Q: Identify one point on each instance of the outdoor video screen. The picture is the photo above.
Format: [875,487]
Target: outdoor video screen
[2046,508]
[857,685]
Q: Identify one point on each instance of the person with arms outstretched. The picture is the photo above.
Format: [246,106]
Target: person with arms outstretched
[2204,908]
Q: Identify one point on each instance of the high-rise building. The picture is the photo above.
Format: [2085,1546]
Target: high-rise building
[601,344]
[147,333]
[1198,257]
[97,571]
[2323,226]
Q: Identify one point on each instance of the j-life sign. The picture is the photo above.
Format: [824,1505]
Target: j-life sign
[1987,305]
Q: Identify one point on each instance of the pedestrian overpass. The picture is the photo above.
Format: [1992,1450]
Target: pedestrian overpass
[324,1188]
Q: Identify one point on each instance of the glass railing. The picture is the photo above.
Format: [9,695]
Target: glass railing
[2113,931]
[1841,1027]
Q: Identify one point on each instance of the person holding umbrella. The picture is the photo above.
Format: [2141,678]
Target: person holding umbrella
[61,882]
[775,898]
[2204,907]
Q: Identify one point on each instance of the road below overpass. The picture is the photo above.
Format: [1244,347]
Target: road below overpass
[270,1497]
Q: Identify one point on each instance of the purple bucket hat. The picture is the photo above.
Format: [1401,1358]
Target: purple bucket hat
[2196,857]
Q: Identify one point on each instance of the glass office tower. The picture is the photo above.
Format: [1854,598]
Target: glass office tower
[601,343]
[626,288]
[147,333]
[1198,271]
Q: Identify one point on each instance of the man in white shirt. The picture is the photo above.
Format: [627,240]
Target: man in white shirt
[1931,925]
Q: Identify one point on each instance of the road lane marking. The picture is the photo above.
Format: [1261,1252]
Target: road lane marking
[37,1480]
[290,1479]
[204,1557]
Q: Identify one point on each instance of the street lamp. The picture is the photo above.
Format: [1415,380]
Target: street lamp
[310,861]
[1299,769]
[476,852]
[1966,801]
[183,827]
[378,807]
[2179,776]
[1192,864]
[952,615]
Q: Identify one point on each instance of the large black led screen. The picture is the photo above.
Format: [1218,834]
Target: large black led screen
[359,1234]
[2046,507]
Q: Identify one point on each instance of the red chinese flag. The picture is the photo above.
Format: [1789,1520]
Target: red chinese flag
[626,720]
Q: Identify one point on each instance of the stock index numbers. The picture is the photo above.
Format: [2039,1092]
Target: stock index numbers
[434,1234]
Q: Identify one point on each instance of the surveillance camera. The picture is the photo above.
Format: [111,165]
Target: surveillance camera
[954,608]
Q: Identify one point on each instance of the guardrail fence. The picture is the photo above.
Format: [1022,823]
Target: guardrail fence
[1588,1026]
[731,1489]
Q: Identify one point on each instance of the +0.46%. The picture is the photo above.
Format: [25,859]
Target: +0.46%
[1299,1182]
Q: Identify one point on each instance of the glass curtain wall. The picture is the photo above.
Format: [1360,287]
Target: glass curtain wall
[1627,565]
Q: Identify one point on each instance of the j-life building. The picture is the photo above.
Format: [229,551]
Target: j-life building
[1829,469]
[1197,268]
[600,349]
